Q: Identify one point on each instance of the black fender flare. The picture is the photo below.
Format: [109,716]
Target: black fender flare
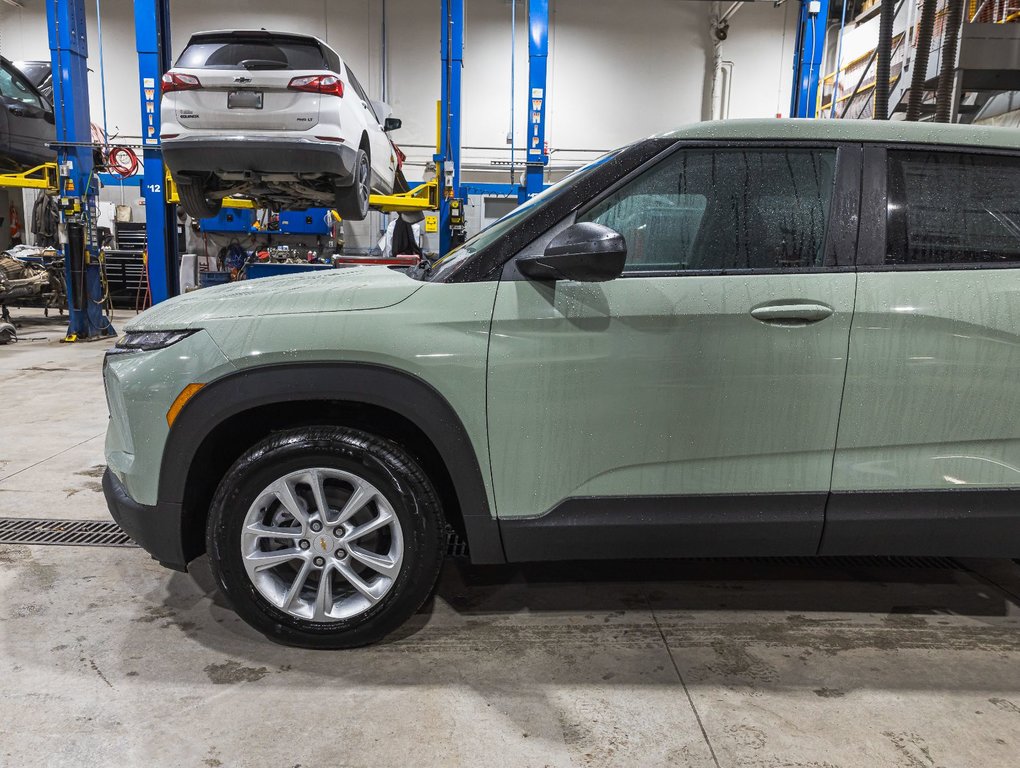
[376,385]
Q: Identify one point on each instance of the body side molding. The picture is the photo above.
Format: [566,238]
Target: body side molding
[952,522]
[597,527]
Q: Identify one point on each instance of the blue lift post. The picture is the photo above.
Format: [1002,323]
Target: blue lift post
[809,53]
[152,41]
[448,158]
[78,184]
[538,55]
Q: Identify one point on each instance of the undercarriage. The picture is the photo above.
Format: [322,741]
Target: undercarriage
[276,190]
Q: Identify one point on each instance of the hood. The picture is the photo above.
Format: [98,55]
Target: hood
[335,290]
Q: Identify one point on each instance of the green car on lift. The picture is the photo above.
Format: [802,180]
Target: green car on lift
[742,338]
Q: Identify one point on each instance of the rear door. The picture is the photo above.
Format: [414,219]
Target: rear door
[928,456]
[690,406]
[244,81]
[384,161]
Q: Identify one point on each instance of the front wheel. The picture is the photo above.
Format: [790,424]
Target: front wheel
[326,537]
[352,201]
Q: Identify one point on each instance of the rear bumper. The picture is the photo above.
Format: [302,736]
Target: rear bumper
[242,153]
[157,529]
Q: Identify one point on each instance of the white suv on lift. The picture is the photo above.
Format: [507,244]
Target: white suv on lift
[277,117]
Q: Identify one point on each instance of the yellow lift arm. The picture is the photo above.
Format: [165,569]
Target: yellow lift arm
[41,177]
[424,197]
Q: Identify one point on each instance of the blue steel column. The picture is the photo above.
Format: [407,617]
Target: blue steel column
[152,41]
[809,53]
[538,54]
[448,158]
[78,187]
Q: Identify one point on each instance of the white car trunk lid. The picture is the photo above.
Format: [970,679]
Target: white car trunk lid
[212,107]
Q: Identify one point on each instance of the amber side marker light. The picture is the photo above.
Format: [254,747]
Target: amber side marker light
[181,400]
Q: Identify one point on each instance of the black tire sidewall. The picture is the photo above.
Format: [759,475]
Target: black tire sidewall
[195,202]
[379,462]
[348,200]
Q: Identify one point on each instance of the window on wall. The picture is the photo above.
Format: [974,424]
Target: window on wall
[948,208]
[725,209]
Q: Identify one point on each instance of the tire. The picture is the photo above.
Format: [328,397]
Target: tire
[194,201]
[249,522]
[352,202]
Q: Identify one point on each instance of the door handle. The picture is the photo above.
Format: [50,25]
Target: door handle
[16,111]
[791,315]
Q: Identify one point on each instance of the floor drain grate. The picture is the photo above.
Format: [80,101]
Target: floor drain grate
[76,533]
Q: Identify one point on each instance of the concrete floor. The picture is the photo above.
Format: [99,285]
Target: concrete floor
[108,659]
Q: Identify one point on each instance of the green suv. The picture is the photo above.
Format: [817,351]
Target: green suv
[742,338]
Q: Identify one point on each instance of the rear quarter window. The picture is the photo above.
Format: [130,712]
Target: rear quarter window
[952,208]
[252,53]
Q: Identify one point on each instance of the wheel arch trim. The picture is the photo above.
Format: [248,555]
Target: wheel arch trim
[406,395]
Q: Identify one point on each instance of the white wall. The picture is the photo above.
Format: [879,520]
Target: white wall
[617,70]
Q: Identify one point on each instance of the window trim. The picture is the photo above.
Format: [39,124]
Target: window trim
[874,206]
[839,248]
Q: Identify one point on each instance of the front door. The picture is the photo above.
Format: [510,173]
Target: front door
[690,406]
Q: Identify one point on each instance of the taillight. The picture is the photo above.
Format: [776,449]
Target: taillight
[329,85]
[176,81]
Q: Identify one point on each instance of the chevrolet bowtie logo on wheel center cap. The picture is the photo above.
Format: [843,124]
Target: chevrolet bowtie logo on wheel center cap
[323,544]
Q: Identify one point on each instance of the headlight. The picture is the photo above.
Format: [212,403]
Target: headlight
[149,340]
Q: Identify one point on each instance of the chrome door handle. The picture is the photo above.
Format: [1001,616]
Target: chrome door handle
[791,315]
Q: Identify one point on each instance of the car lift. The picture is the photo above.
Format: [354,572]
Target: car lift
[73,179]
[424,197]
[809,53]
[42,177]
[72,175]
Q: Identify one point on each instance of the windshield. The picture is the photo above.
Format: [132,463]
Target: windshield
[451,261]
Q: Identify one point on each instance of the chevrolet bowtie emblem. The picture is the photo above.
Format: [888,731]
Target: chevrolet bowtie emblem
[242,79]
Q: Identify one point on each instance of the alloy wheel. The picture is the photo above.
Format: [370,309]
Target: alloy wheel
[322,544]
[363,183]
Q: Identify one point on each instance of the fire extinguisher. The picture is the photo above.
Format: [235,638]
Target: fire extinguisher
[15,229]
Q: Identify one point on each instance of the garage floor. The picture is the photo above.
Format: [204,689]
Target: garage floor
[108,659]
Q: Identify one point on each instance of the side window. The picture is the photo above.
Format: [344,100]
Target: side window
[332,59]
[15,87]
[361,92]
[948,208]
[724,209]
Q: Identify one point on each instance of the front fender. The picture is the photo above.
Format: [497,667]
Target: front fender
[375,385]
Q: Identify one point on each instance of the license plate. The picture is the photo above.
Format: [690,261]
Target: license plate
[244,100]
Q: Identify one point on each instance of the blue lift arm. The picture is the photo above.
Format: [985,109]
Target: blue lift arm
[78,185]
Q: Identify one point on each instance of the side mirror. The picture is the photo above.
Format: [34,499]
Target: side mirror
[391,124]
[585,252]
[49,117]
